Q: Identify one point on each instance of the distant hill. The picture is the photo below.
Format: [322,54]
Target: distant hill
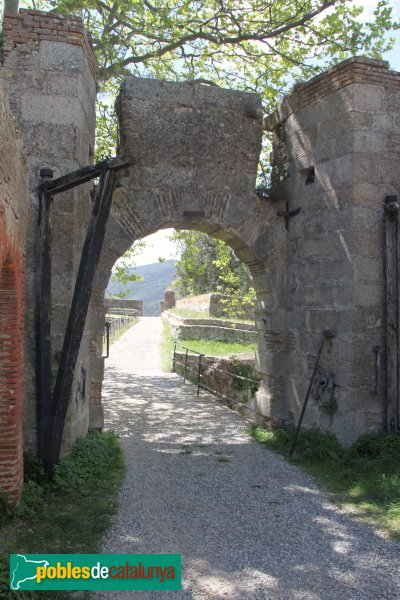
[157,278]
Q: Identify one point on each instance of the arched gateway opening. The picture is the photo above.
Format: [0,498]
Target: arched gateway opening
[194,153]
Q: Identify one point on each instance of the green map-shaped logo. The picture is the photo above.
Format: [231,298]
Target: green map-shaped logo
[23,570]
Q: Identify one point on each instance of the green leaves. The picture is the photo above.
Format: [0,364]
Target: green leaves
[261,46]
[209,265]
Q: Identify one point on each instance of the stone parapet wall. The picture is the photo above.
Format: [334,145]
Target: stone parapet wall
[349,72]
[209,329]
[126,305]
[217,377]
[13,221]
[199,303]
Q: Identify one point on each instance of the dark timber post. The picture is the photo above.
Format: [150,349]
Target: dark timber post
[52,409]
[43,310]
[77,316]
[391,210]
[174,359]
[199,374]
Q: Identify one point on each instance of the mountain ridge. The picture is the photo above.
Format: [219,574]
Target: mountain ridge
[157,278]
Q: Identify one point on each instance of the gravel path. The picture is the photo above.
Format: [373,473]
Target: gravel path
[248,524]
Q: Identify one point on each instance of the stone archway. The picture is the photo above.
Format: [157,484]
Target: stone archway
[183,176]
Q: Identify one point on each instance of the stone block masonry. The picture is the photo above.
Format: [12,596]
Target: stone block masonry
[213,304]
[50,73]
[30,27]
[13,220]
[343,129]
[210,329]
[194,152]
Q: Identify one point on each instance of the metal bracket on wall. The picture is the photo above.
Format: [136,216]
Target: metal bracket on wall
[52,407]
[327,334]
[288,214]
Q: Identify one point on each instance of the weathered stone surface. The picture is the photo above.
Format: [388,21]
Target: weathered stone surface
[203,329]
[52,94]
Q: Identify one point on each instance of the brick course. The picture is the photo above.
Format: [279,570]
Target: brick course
[13,213]
[35,26]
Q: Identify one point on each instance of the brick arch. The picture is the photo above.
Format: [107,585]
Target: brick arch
[11,376]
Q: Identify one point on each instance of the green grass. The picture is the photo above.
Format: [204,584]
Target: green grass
[197,314]
[217,348]
[206,347]
[166,348]
[66,513]
[365,476]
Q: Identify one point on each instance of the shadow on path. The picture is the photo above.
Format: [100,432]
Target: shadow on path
[248,524]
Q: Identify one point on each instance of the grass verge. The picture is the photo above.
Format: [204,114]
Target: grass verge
[206,347]
[217,348]
[166,347]
[68,513]
[186,313]
[365,477]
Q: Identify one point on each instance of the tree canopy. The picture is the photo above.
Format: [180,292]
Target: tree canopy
[209,265]
[261,45]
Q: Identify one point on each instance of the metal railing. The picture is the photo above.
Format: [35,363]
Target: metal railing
[115,324]
[199,371]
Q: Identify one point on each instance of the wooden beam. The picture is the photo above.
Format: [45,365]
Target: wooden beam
[391,211]
[78,312]
[43,311]
[66,182]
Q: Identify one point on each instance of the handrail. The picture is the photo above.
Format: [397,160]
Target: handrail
[201,385]
[113,325]
[209,366]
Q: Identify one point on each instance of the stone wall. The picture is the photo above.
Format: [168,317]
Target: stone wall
[210,329]
[200,303]
[13,221]
[119,303]
[194,152]
[343,129]
[217,376]
[49,70]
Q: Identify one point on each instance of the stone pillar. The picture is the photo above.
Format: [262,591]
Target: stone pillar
[169,299]
[51,80]
[337,141]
